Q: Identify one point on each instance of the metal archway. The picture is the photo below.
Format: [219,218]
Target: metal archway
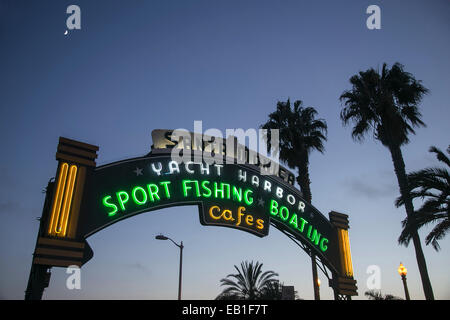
[85,198]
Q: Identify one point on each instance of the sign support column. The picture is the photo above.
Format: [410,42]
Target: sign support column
[343,284]
[58,243]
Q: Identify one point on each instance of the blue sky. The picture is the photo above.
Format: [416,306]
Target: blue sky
[136,66]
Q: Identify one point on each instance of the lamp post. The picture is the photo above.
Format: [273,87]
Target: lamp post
[314,273]
[402,272]
[162,237]
[318,289]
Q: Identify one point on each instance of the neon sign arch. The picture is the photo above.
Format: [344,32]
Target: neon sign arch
[86,199]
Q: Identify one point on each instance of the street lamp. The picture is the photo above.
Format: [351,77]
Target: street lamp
[402,272]
[317,294]
[162,237]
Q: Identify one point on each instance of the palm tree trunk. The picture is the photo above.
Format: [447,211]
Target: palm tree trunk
[305,186]
[399,167]
[304,181]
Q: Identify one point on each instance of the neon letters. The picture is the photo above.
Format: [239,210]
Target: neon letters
[152,193]
[238,217]
[229,195]
[299,224]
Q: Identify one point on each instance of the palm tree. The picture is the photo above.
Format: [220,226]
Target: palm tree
[432,184]
[272,291]
[248,283]
[300,133]
[386,104]
[228,296]
[376,295]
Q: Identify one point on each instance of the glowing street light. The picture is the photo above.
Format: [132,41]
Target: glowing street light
[162,237]
[402,271]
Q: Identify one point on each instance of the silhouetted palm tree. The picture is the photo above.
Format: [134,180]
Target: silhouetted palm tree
[376,295]
[386,104]
[300,133]
[272,291]
[228,296]
[433,185]
[248,283]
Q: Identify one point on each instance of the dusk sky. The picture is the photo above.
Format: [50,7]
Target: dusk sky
[139,65]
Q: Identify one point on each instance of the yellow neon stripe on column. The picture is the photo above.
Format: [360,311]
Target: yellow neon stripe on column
[343,253]
[348,255]
[61,227]
[72,179]
[59,193]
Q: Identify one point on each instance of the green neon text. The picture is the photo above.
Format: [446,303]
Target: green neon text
[298,224]
[139,195]
[122,198]
[110,205]
[142,195]
[217,190]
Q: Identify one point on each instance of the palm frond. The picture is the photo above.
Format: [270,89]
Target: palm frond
[385,102]
[432,186]
[440,155]
[438,233]
[248,283]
